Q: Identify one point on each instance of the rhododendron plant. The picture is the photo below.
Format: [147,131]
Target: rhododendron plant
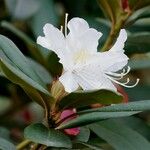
[78,87]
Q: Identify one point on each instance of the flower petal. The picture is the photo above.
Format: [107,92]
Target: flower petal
[89,40]
[44,42]
[78,26]
[111,60]
[68,81]
[53,40]
[108,85]
[91,77]
[119,45]
[114,59]
[81,37]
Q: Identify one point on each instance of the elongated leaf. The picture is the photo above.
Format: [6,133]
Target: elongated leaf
[41,71]
[29,85]
[19,33]
[84,135]
[6,145]
[138,43]
[139,64]
[18,77]
[136,124]
[118,110]
[32,46]
[141,25]
[45,14]
[141,13]
[131,106]
[92,117]
[18,69]
[139,92]
[120,136]
[80,99]
[40,134]
[22,9]
[12,54]
[100,142]
[93,147]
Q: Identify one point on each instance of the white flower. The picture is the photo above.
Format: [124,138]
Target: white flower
[83,65]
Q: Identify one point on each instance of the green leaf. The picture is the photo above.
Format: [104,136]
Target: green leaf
[141,25]
[22,9]
[29,85]
[47,10]
[16,31]
[137,64]
[141,13]
[6,145]
[82,98]
[84,135]
[11,53]
[92,117]
[45,14]
[100,142]
[38,133]
[138,43]
[18,69]
[119,136]
[32,46]
[93,147]
[138,92]
[98,114]
[136,124]
[131,106]
[18,77]
[41,71]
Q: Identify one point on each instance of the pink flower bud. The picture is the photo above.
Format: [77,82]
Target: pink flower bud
[66,113]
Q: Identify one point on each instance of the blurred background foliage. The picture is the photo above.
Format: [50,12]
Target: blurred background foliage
[22,21]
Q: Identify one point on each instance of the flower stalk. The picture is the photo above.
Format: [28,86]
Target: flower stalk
[23,144]
[115,29]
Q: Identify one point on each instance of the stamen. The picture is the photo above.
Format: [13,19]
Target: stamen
[124,84]
[61,28]
[115,74]
[128,80]
[116,78]
[66,19]
[126,72]
[123,73]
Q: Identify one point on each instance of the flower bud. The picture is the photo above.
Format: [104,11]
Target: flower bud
[66,113]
